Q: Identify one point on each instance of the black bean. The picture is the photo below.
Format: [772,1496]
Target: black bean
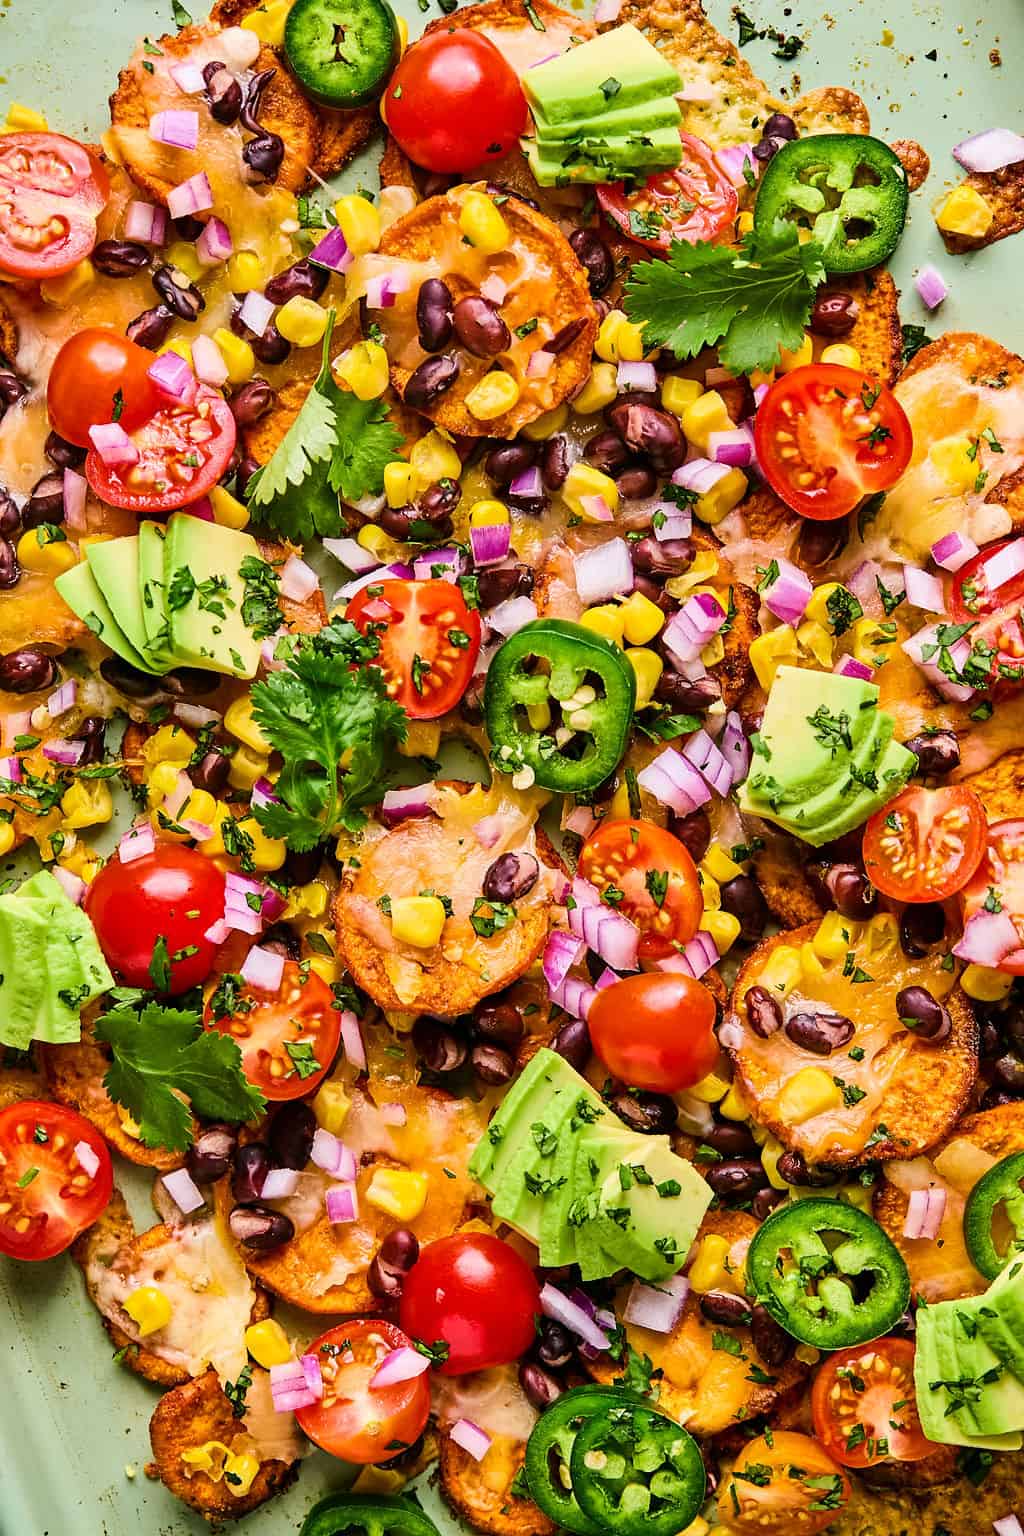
[507,461]
[61,453]
[128,680]
[212,772]
[769,1338]
[251,402]
[694,832]
[252,1164]
[223,92]
[211,1155]
[555,1344]
[573,1043]
[501,1023]
[731,1139]
[834,314]
[399,1250]
[434,314]
[764,1011]
[181,296]
[690,698]
[922,1013]
[541,1388]
[492,1064]
[243,474]
[650,431]
[661,557]
[724,1307]
[260,1229]
[46,501]
[1008,1072]
[596,259]
[563,339]
[793,1167]
[188,228]
[27,670]
[742,897]
[188,682]
[440,1049]
[291,1133]
[845,887]
[736,1179]
[767,149]
[936,755]
[511,876]
[533,506]
[820,542]
[152,328]
[990,1041]
[120,258]
[10,517]
[430,380]
[636,482]
[765,1201]
[271,348]
[10,570]
[781,126]
[439,500]
[993,1098]
[653,1114]
[11,390]
[264,154]
[385,1283]
[303,280]
[554,462]
[92,731]
[498,582]
[301,868]
[607,452]
[820,1033]
[479,327]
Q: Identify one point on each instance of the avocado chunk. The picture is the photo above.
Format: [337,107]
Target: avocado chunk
[541,1078]
[115,565]
[618,69]
[204,595]
[600,159]
[931,1366]
[1000,1316]
[80,590]
[528,1181]
[557,1232]
[664,112]
[50,965]
[649,1210]
[597,1154]
[151,592]
[999,1405]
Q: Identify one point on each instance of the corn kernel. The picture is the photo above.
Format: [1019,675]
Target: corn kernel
[618,806]
[268,22]
[246,767]
[239,722]
[148,1308]
[66,288]
[398,1192]
[717,863]
[77,858]
[708,1271]
[239,358]
[648,667]
[734,1106]
[267,853]
[842,354]
[811,965]
[228,511]
[49,557]
[496,393]
[719,501]
[955,458]
[400,485]
[364,368]
[87,803]
[618,339]
[710,891]
[417,920]
[606,619]
[723,927]
[422,739]
[583,481]
[210,1459]
[771,651]
[810,1092]
[781,971]
[745,223]
[6,837]
[965,212]
[641,618]
[710,1088]
[539,715]
[162,780]
[482,223]
[770,1154]
[697,1527]
[816,640]
[703,569]
[804,354]
[713,652]
[378,542]
[834,935]
[22,119]
[707,414]
[240,1473]
[327,969]
[488,514]
[547,424]
[302,321]
[869,639]
[309,900]
[245,272]
[183,258]
[378,1480]
[599,391]
[331,1105]
[180,347]
[984,984]
[817,605]
[677,394]
[268,1343]
[433,457]
[403,34]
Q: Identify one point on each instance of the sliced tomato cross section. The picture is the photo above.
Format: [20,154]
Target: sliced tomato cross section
[183,450]
[288,1038]
[52,191]
[926,844]
[56,1178]
[429,641]
[354,1420]
[998,885]
[864,1406]
[782,1483]
[649,877]
[696,201]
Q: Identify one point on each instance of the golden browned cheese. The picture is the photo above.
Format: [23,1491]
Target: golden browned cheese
[915,161]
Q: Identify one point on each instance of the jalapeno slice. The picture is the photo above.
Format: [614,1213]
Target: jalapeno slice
[828,1274]
[553,674]
[548,1460]
[848,189]
[372,1513]
[637,1473]
[996,1206]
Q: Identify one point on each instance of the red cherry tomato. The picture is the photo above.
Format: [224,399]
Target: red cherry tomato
[972,598]
[782,1483]
[89,373]
[926,844]
[477,1294]
[696,201]
[52,190]
[655,1031]
[828,436]
[455,102]
[657,877]
[864,1407]
[47,1193]
[183,452]
[996,614]
[429,641]
[1000,878]
[173,894]
[354,1420]
[288,1038]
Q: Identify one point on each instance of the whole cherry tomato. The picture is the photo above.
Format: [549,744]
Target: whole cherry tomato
[476,1294]
[96,376]
[455,102]
[655,1031]
[151,917]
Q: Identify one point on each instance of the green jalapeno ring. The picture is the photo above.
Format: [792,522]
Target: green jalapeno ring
[809,1295]
[636,1472]
[549,1453]
[822,182]
[374,1513]
[1001,1185]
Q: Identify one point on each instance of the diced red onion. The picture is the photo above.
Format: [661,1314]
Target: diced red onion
[1007,1525]
[208,361]
[448,563]
[579,819]
[256,312]
[953,550]
[178,795]
[657,1307]
[672,523]
[87,1158]
[699,475]
[331,1154]
[352,555]
[202,831]
[925,590]
[398,1365]
[561,953]
[694,626]
[382,290]
[494,288]
[709,762]
[701,953]
[179,129]
[557,1305]
[313,1375]
[279,1184]
[72,886]
[735,447]
[607,10]
[218,932]
[540,364]
[188,78]
[474,1440]
[490,544]
[214,244]
[1004,565]
[332,252]
[607,978]
[298,580]
[183,1190]
[988,937]
[991,150]
[113,444]
[639,376]
[288,1373]
[528,484]
[925,1210]
[849,666]
[145,222]
[352,1040]
[608,933]
[10,768]
[931,287]
[61,700]
[192,196]
[738,161]
[397,569]
[596,509]
[735,747]
[242,920]
[173,378]
[604,571]
[959,652]
[674,782]
[136,843]
[76,489]
[238,47]
[342,1204]
[583,893]
[488,830]
[289,1389]
[862,583]
[263,969]
[574,996]
[510,616]
[417,800]
[760,390]
[202,509]
[63,751]
[788,595]
[394,1114]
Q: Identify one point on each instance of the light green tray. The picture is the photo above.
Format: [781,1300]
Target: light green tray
[73,1424]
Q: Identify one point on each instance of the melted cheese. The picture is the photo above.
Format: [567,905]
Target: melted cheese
[492,1399]
[523,47]
[272,1436]
[941,1268]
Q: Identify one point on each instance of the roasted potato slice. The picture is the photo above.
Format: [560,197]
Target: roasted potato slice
[779,870]
[18,1083]
[1000,786]
[1004,192]
[480,1491]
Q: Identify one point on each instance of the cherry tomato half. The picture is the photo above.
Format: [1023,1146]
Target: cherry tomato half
[804,1490]
[52,190]
[828,436]
[1000,878]
[184,449]
[288,1038]
[94,373]
[455,102]
[655,1031]
[657,877]
[429,641]
[44,1181]
[926,844]
[864,1407]
[696,201]
[172,894]
[354,1420]
[971,596]
[477,1294]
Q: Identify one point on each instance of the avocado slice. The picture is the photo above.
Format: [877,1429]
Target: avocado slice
[618,69]
[525,1101]
[937,1425]
[603,158]
[1000,1406]
[663,112]
[23,982]
[557,1232]
[38,920]
[1000,1316]
[204,594]
[151,591]
[514,1200]
[647,1220]
[115,565]
[80,590]
[598,1153]
[807,716]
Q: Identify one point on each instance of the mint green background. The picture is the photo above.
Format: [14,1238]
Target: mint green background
[71,1421]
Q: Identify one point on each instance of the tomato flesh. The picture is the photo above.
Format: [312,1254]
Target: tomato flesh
[864,1406]
[926,844]
[173,894]
[95,374]
[789,1478]
[971,596]
[184,449]
[455,102]
[828,436]
[429,641]
[655,1031]
[999,878]
[355,1420]
[696,201]
[47,1194]
[657,878]
[265,1024]
[52,191]
[477,1294]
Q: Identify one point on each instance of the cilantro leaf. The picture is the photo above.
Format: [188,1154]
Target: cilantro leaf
[751,301]
[366,443]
